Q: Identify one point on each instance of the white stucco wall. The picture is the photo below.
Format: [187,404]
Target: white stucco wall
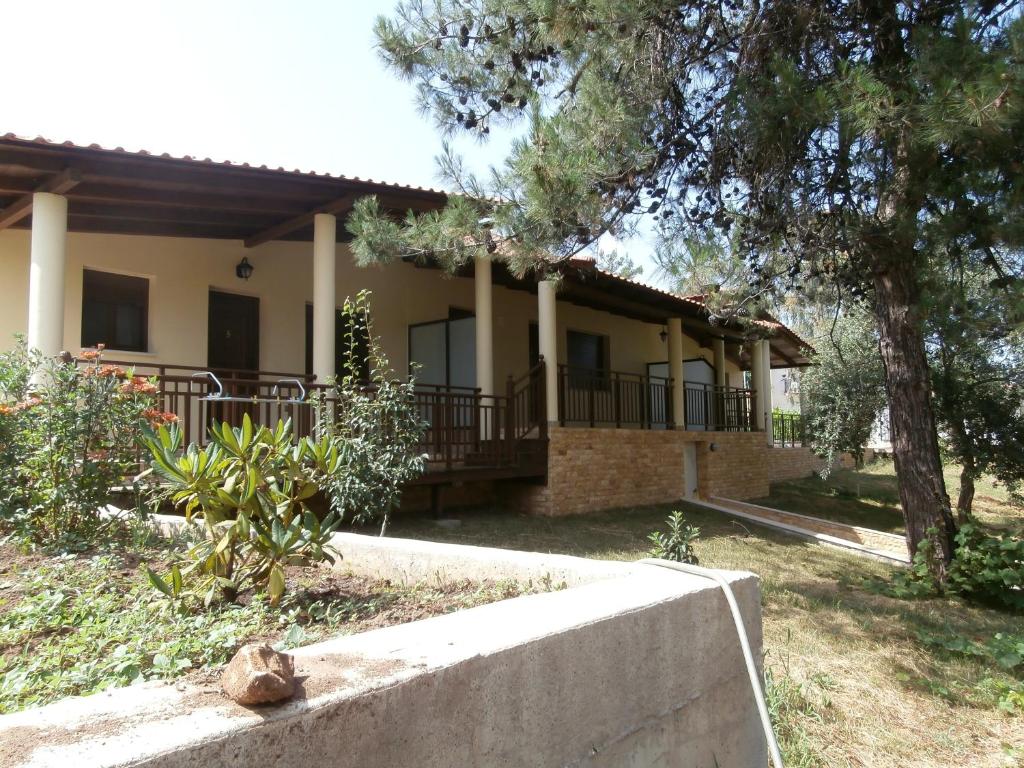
[786,389]
[183,270]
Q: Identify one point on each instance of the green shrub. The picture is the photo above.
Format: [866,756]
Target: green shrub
[69,434]
[677,544]
[249,489]
[988,568]
[375,425]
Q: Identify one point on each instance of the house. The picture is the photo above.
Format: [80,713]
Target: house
[555,396]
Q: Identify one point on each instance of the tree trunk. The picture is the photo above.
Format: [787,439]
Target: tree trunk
[915,442]
[965,500]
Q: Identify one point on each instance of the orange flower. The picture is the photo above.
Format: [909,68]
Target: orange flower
[112,372]
[24,405]
[157,417]
[137,385]
[89,354]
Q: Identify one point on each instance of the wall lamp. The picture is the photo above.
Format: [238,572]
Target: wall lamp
[244,269]
[663,335]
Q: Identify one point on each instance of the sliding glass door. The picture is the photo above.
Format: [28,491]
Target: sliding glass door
[443,353]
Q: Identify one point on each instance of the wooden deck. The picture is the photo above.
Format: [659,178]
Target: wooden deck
[469,436]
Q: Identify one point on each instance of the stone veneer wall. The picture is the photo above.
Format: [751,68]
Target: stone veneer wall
[594,469]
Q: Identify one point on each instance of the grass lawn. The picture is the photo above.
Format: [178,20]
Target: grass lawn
[858,678]
[869,497]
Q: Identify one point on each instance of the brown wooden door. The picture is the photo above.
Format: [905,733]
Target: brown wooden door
[233,332]
[233,353]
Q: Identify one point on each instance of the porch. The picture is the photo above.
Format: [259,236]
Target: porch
[184,267]
[469,435]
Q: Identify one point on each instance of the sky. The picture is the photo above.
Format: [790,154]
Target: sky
[295,84]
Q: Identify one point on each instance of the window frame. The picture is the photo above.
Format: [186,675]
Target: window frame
[584,377]
[93,302]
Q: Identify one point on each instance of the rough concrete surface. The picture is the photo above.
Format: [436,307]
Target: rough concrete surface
[639,668]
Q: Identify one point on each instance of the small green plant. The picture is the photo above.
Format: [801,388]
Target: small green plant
[249,487]
[69,432]
[1003,651]
[792,705]
[375,423]
[986,568]
[677,544]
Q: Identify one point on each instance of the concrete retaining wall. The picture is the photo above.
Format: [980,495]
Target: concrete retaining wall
[636,666]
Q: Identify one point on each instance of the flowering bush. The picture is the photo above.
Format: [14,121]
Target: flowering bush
[69,434]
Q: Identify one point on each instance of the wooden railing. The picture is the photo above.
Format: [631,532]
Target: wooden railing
[464,428]
[617,399]
[613,398]
[718,409]
[788,430]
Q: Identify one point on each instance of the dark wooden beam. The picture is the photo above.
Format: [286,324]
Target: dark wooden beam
[155,171]
[243,221]
[100,192]
[784,356]
[58,185]
[339,206]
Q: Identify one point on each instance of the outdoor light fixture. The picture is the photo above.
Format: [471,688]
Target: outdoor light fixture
[244,269]
[663,335]
[713,447]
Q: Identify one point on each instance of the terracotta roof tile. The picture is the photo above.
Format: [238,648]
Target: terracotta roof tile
[43,141]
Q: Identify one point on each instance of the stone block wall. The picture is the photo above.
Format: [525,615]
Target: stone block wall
[591,469]
[595,469]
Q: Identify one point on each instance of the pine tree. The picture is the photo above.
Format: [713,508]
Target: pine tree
[826,141]
[975,348]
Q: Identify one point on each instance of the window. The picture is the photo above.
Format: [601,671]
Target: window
[443,352]
[115,311]
[587,351]
[587,355]
[344,327]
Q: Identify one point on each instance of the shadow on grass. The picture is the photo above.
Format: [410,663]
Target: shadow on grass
[854,613]
[869,499]
[807,588]
[618,534]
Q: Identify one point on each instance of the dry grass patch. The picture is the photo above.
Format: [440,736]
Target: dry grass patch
[869,497]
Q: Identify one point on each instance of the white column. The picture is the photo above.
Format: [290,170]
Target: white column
[766,402]
[718,348]
[547,336]
[675,370]
[46,273]
[757,382]
[484,326]
[324,300]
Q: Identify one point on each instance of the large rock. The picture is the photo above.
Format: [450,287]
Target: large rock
[259,675]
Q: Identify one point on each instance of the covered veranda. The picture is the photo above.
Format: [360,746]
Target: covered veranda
[55,189]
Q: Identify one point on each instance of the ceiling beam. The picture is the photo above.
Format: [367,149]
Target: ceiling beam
[785,357]
[58,185]
[341,205]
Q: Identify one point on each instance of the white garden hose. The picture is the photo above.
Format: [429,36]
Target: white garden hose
[748,657]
